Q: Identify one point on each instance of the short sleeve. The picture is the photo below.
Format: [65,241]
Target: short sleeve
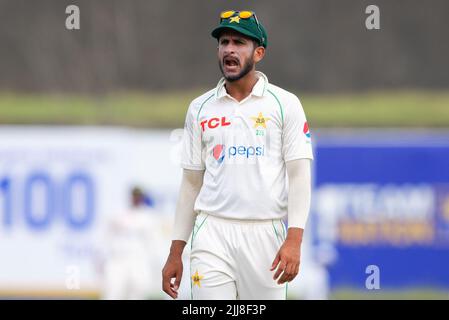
[296,137]
[191,156]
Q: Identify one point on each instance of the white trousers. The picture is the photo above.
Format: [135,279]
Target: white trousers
[231,259]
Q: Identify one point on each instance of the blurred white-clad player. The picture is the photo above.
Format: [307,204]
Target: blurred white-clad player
[132,255]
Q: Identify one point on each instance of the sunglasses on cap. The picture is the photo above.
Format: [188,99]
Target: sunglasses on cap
[242,15]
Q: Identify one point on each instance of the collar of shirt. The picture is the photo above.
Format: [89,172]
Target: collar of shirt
[259,88]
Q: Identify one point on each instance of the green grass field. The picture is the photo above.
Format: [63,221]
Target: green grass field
[167,110]
[410,294]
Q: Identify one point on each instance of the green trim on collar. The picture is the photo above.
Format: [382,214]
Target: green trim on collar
[220,85]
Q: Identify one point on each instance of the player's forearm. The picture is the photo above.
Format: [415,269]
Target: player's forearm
[294,235]
[177,247]
[192,181]
[299,197]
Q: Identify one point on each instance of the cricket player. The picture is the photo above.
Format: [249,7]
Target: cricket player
[246,163]
[131,252]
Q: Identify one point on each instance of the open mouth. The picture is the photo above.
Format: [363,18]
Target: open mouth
[231,62]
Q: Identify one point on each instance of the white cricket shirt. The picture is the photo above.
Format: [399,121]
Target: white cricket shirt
[243,147]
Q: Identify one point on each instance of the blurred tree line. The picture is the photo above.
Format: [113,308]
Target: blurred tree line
[314,45]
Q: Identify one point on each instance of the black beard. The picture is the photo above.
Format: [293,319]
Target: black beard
[246,69]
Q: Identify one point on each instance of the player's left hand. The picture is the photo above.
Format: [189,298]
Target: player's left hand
[287,262]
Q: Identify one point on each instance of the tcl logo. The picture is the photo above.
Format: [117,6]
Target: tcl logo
[214,122]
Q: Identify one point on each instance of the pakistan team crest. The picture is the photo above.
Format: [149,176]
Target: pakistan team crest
[260,121]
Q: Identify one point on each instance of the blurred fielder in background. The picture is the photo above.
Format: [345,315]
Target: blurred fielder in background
[241,140]
[131,259]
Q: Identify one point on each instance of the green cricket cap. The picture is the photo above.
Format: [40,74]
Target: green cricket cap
[250,26]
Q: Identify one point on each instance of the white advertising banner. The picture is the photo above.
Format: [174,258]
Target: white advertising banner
[58,188]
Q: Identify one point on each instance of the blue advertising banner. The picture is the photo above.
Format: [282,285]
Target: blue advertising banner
[382,199]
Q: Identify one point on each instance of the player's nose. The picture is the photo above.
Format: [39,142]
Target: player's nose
[230,48]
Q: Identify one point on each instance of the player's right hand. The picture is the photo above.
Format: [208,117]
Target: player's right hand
[172,269]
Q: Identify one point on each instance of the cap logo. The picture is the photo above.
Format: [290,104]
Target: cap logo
[234,19]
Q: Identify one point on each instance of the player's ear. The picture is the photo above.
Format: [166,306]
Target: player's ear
[259,53]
